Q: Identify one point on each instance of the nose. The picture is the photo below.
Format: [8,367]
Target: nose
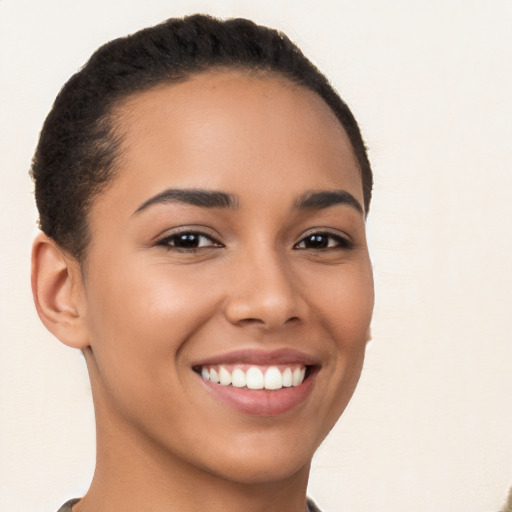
[264,292]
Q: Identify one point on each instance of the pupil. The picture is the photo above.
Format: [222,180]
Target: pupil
[187,241]
[317,241]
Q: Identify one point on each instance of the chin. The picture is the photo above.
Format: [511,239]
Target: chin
[264,470]
[263,458]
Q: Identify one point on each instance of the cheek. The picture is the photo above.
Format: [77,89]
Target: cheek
[138,320]
[345,306]
[344,299]
[352,322]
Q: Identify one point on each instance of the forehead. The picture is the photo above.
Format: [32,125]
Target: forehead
[233,128]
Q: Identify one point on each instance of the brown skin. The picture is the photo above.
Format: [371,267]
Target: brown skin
[145,313]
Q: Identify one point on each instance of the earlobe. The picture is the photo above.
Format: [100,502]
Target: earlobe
[57,292]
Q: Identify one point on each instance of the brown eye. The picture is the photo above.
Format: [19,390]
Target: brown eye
[189,241]
[323,241]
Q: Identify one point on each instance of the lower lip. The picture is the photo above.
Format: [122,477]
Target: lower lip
[261,402]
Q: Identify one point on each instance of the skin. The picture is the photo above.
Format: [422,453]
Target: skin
[145,312]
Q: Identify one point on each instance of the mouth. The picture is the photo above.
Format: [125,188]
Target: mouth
[255,377]
[258,383]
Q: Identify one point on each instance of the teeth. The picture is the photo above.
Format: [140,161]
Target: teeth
[238,378]
[255,377]
[287,378]
[273,378]
[224,376]
[214,376]
[298,376]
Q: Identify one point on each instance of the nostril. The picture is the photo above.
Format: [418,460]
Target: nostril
[248,321]
[262,322]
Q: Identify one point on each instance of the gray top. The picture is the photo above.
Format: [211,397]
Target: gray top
[67,506]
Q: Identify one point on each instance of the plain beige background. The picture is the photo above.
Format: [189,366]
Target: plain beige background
[430,426]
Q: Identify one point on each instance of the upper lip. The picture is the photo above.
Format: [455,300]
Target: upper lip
[261,357]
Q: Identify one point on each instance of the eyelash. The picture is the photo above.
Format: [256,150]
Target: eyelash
[167,242]
[317,237]
[340,242]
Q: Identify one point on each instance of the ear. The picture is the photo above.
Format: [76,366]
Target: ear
[57,288]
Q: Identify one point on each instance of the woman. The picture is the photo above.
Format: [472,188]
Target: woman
[202,193]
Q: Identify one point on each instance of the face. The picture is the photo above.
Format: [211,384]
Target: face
[228,289]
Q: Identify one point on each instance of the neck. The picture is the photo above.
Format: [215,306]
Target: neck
[135,473]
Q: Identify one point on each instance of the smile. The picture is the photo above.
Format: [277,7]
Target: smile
[259,382]
[254,376]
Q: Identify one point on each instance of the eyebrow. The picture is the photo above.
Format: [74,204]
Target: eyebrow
[319,200]
[312,200]
[194,197]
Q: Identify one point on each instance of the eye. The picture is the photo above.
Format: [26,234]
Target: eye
[324,241]
[189,241]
